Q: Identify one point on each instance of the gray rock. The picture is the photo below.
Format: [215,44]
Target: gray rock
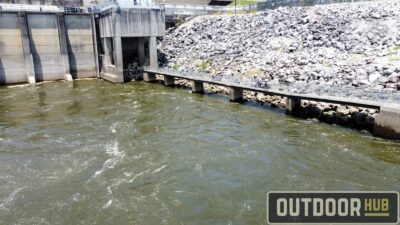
[373,77]
[346,46]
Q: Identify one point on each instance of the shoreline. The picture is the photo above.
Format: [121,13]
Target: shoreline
[358,118]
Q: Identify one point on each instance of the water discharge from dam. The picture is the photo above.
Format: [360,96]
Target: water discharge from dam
[92,152]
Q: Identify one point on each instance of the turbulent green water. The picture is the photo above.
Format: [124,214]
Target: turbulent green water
[96,153]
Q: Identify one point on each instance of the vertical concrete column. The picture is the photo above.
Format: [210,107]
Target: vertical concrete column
[293,105]
[63,46]
[387,123]
[141,52]
[94,37]
[105,59]
[30,70]
[153,52]
[236,94]
[119,60]
[198,87]
[149,77]
[169,81]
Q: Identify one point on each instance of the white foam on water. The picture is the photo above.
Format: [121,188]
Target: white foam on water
[135,177]
[107,204]
[159,169]
[141,155]
[127,174]
[76,197]
[11,198]
[116,156]
[113,128]
[17,86]
[109,191]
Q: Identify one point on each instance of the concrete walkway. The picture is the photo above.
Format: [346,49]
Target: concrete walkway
[387,123]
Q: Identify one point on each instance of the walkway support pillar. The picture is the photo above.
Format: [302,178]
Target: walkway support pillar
[95,49]
[293,105]
[105,58]
[169,81]
[141,52]
[198,87]
[149,77]
[30,69]
[119,64]
[63,46]
[236,94]
[387,123]
[153,52]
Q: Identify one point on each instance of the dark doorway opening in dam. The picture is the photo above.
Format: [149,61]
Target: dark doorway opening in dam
[135,53]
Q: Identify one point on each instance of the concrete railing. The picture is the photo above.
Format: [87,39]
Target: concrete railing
[126,4]
[28,8]
[194,10]
[272,4]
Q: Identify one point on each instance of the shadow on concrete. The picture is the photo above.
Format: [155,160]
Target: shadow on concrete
[2,72]
[74,48]
[37,62]
[73,66]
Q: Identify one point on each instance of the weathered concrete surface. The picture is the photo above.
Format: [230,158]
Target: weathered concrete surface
[81,49]
[153,52]
[30,71]
[149,77]
[387,123]
[45,46]
[293,105]
[134,22]
[198,87]
[236,94]
[169,81]
[130,27]
[13,68]
[63,47]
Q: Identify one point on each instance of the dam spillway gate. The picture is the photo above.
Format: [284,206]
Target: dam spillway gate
[50,45]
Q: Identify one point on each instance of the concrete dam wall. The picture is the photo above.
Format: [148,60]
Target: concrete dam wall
[42,46]
[45,46]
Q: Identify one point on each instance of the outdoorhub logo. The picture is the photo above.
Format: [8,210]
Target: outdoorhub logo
[332,207]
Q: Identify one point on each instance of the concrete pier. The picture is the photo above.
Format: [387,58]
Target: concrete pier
[198,87]
[141,51]
[63,47]
[236,94]
[169,81]
[30,71]
[132,27]
[387,123]
[118,59]
[149,77]
[153,52]
[293,105]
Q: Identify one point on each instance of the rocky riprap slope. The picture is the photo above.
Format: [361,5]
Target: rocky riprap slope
[350,49]
[352,46]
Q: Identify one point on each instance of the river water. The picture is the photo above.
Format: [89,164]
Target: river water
[91,152]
